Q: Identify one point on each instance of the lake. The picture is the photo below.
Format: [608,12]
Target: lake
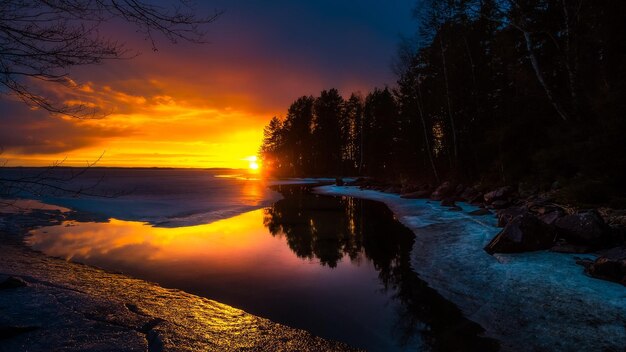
[339,267]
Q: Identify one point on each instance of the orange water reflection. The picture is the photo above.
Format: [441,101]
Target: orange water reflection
[231,245]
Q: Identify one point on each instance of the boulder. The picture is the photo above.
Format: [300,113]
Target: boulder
[498,194]
[500,204]
[527,190]
[393,189]
[445,190]
[564,247]
[524,233]
[610,266]
[339,181]
[361,181]
[448,202]
[551,217]
[480,212]
[470,195]
[585,227]
[12,282]
[508,214]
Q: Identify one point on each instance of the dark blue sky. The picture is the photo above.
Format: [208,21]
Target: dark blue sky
[342,41]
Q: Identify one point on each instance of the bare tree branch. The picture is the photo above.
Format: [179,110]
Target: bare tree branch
[41,40]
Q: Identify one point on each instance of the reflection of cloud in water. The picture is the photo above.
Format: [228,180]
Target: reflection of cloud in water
[350,278]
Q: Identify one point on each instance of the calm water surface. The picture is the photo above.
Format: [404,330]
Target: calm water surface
[336,266]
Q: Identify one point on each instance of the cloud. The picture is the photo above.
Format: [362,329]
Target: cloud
[27,131]
[206,105]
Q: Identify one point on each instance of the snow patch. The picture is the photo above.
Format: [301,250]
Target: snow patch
[540,300]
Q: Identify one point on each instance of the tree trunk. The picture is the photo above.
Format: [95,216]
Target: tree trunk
[535,64]
[426,138]
[449,104]
[571,61]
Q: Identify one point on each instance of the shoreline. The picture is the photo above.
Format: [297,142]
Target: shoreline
[113,312]
[542,294]
[52,304]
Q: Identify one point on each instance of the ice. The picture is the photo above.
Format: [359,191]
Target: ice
[529,301]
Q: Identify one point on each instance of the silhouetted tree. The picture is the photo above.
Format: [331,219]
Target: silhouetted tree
[497,92]
[327,132]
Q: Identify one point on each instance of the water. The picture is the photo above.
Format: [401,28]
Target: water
[541,300]
[162,197]
[339,267]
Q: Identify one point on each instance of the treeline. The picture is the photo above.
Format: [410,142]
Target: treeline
[498,92]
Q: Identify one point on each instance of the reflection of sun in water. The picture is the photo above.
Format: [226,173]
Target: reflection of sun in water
[253,164]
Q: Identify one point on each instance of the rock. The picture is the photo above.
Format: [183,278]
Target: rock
[12,282]
[499,194]
[551,217]
[527,190]
[443,191]
[410,188]
[500,204]
[470,194]
[448,202]
[393,189]
[455,208]
[339,181]
[458,190]
[480,212]
[524,233]
[358,182]
[416,195]
[611,266]
[508,214]
[586,228]
[564,247]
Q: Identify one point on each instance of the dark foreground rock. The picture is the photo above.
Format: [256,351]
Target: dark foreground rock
[524,233]
[12,282]
[611,265]
[448,202]
[480,212]
[508,214]
[445,190]
[500,194]
[586,228]
[72,307]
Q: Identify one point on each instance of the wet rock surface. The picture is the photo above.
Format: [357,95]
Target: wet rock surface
[611,265]
[586,227]
[522,234]
[73,307]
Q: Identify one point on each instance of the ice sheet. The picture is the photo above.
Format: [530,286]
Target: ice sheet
[529,301]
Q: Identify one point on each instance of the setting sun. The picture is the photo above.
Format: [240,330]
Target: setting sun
[253,164]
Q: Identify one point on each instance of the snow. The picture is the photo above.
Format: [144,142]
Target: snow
[540,300]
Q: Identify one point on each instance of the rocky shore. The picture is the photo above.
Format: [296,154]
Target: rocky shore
[50,304]
[532,221]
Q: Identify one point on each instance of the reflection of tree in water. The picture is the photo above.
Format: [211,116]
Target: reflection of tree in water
[329,228]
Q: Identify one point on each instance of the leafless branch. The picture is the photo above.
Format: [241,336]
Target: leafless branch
[41,40]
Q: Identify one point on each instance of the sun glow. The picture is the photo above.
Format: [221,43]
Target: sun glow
[253,164]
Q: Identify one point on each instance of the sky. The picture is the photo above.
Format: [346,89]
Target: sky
[205,105]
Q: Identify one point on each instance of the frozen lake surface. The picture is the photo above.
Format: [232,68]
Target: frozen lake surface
[540,300]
